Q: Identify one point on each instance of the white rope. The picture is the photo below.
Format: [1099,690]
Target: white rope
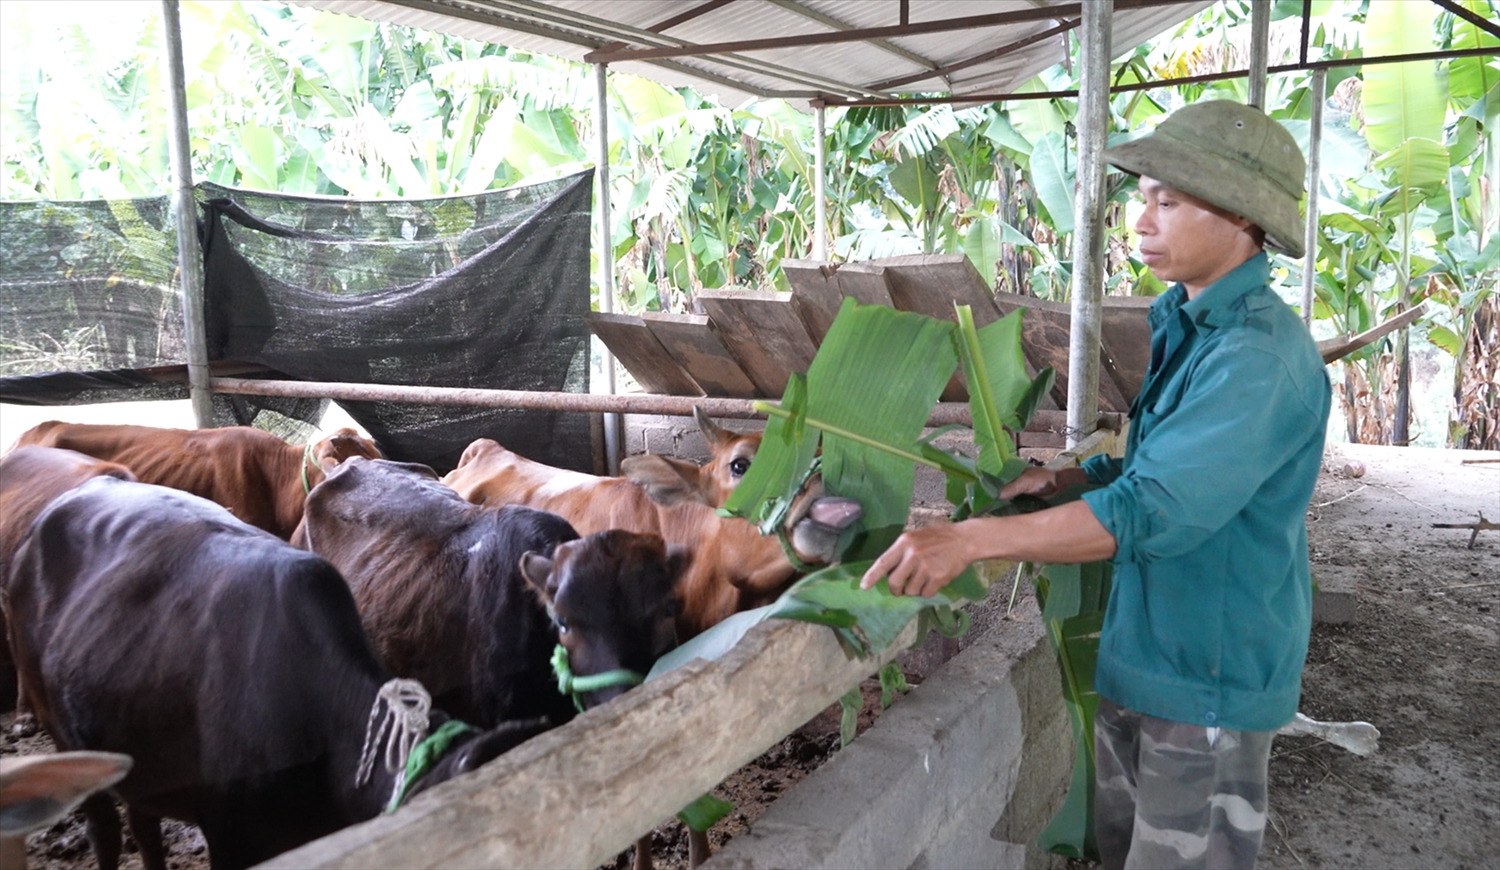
[404,724]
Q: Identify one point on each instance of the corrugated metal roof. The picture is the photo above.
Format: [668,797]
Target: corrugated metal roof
[900,61]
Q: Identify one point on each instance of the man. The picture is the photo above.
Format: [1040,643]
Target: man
[1206,631]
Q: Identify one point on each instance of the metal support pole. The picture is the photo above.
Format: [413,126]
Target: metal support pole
[185,213]
[1260,37]
[1088,219]
[820,191]
[613,424]
[1319,89]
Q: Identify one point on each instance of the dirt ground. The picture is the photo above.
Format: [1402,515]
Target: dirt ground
[1420,660]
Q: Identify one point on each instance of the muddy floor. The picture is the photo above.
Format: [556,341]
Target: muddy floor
[1420,660]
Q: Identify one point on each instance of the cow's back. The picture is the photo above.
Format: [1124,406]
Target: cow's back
[30,478]
[438,587]
[733,565]
[153,623]
[251,473]
[489,474]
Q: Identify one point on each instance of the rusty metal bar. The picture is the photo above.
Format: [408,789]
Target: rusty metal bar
[1477,20]
[675,20]
[883,44]
[973,61]
[556,21]
[1486,51]
[947,25]
[1306,30]
[943,414]
[921,28]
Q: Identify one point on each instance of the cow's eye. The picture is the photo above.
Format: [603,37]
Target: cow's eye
[739,466]
[562,624]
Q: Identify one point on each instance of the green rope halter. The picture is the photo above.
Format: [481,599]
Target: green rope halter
[426,754]
[575,687]
[307,458]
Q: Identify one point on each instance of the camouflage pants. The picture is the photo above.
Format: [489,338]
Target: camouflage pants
[1172,795]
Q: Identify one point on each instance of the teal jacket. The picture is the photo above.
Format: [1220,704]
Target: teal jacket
[1211,606]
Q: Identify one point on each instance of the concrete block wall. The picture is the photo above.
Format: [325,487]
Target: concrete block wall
[965,771]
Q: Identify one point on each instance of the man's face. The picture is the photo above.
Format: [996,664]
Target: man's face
[1187,240]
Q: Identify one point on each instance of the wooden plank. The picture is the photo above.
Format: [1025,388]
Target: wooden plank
[866,282]
[815,294]
[1044,337]
[579,794]
[638,349]
[932,283]
[692,340]
[763,331]
[1126,338]
[819,288]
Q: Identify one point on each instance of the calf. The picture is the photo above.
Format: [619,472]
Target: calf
[30,478]
[734,567]
[257,476]
[230,666]
[473,601]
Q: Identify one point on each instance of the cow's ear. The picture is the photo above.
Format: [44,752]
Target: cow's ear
[713,433]
[667,481]
[537,569]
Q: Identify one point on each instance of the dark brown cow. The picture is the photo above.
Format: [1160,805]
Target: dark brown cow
[255,475]
[733,568]
[229,665]
[30,478]
[472,601]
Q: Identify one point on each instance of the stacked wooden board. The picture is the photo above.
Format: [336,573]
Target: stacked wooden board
[747,343]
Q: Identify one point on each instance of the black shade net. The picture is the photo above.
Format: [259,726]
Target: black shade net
[482,291]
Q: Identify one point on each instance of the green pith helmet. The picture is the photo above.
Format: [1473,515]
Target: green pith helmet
[1232,156]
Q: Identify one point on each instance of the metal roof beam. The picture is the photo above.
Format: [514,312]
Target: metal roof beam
[493,15]
[675,20]
[1003,50]
[883,44]
[600,29]
[1476,20]
[1485,51]
[946,25]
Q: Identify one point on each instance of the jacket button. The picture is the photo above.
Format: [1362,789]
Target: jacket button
[1210,717]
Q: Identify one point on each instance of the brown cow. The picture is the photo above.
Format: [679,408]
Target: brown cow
[734,567]
[30,478]
[261,479]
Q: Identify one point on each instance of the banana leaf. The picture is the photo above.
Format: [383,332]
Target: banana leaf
[701,814]
[1401,100]
[866,621]
[1076,640]
[1073,598]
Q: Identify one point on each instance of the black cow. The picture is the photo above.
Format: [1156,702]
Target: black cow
[473,600]
[231,666]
